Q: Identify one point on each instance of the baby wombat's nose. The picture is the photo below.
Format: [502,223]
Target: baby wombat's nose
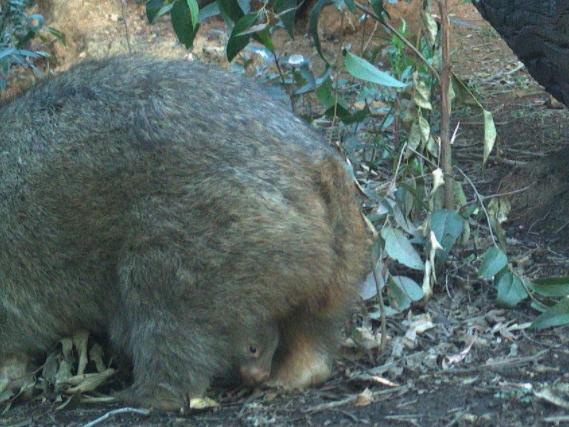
[254,375]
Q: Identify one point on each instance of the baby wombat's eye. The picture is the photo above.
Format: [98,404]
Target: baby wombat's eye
[253,350]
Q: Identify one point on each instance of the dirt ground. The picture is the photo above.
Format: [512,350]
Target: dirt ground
[459,361]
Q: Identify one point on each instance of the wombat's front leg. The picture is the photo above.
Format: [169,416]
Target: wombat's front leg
[165,326]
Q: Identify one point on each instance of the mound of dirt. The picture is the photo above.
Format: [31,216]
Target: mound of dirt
[540,195]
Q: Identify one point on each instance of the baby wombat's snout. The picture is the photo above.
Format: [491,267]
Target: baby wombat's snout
[256,353]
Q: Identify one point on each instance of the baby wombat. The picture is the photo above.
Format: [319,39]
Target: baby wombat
[176,208]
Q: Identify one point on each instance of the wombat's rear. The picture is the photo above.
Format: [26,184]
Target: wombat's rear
[176,208]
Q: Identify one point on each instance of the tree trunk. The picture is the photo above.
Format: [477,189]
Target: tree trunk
[538,33]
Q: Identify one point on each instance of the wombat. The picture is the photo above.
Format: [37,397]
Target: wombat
[176,208]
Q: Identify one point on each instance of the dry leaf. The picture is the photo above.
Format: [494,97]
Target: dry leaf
[364,398]
[383,381]
[88,382]
[457,358]
[203,403]
[438,180]
[366,339]
[556,394]
[80,340]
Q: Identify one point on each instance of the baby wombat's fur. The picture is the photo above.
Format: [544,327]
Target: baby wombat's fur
[174,207]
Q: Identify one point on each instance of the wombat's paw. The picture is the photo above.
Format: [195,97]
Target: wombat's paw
[300,370]
[15,376]
[160,399]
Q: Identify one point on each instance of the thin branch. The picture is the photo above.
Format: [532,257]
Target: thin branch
[116,412]
[400,36]
[508,193]
[383,318]
[446,148]
[481,201]
[125,24]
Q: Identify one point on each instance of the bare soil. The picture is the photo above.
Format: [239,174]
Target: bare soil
[472,363]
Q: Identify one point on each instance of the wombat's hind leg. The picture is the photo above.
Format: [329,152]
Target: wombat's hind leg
[304,357]
[173,344]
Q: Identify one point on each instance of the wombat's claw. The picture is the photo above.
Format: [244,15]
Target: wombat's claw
[159,400]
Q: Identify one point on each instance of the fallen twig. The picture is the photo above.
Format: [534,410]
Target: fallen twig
[117,412]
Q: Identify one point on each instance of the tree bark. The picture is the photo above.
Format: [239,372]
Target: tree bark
[538,33]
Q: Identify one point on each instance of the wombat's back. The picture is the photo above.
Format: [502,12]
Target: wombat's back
[141,101]
[117,155]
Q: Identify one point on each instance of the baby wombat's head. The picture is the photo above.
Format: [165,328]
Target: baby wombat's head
[255,348]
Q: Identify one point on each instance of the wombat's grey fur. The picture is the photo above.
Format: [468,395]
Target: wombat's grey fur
[174,207]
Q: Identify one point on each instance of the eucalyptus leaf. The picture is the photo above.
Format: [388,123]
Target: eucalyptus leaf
[432,147]
[403,291]
[313,26]
[414,138]
[424,127]
[400,248]
[422,93]
[493,260]
[185,21]
[448,226]
[208,11]
[459,194]
[285,10]
[398,299]
[430,25]
[239,38]
[489,134]
[552,287]
[511,290]
[153,8]
[379,9]
[556,316]
[410,287]
[363,70]
[325,94]
[230,11]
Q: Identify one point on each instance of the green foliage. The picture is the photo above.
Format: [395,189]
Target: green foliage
[17,29]
[239,37]
[555,315]
[185,20]
[157,8]
[363,70]
[493,261]
[447,226]
[400,248]
[511,289]
[403,291]
[552,287]
[313,25]
[377,6]
[284,10]
[489,134]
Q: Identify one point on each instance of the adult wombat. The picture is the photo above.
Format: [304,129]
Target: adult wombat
[174,207]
